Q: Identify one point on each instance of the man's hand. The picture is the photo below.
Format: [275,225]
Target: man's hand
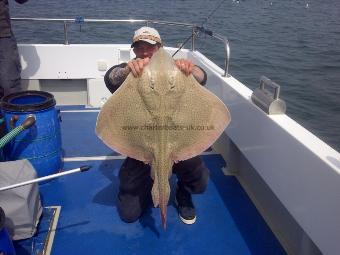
[136,66]
[186,66]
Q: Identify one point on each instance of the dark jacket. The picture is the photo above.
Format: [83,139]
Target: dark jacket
[5,21]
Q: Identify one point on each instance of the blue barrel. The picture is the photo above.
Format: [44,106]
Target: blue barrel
[6,245]
[40,144]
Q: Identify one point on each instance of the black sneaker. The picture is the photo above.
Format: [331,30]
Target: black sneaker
[185,207]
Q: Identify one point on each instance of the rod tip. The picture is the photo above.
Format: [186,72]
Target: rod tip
[84,168]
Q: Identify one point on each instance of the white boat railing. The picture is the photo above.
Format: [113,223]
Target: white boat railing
[194,29]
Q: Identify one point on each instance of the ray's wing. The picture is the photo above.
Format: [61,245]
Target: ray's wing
[200,116]
[120,120]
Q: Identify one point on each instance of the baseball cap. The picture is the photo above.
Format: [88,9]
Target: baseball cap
[147,34]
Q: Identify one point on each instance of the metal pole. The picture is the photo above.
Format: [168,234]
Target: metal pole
[65,33]
[227,58]
[193,39]
[45,178]
[226,53]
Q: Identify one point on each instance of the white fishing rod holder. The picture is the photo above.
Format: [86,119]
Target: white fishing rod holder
[268,99]
[195,30]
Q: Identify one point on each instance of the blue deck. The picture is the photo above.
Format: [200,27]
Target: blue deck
[227,221]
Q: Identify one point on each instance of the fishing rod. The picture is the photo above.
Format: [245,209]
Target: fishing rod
[201,28]
[211,13]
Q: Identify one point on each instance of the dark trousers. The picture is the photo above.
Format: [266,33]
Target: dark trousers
[135,184]
[10,67]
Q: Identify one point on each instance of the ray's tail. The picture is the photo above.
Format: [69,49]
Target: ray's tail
[161,189]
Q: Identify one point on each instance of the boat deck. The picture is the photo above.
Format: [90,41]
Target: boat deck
[227,221]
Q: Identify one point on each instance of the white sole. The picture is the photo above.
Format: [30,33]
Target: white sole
[188,222]
[185,221]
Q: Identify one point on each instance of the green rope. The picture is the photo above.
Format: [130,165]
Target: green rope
[8,137]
